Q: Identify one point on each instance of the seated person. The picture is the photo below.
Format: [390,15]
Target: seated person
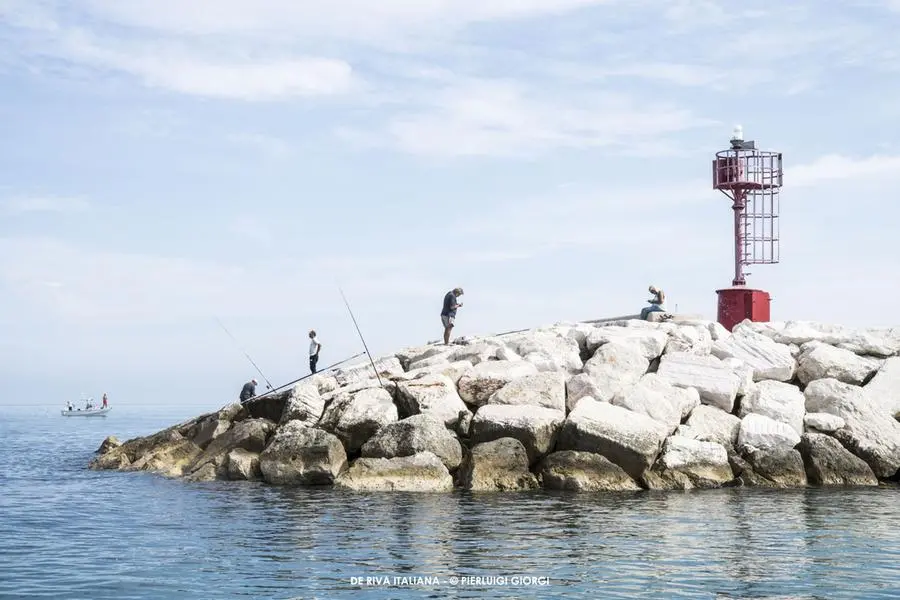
[657,303]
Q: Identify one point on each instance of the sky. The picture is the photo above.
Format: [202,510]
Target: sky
[166,164]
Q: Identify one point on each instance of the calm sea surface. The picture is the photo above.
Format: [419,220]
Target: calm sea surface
[66,532]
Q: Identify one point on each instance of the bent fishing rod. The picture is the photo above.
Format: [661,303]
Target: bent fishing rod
[281,387]
[374,368]
[258,370]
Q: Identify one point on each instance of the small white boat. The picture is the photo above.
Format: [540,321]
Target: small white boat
[94,412]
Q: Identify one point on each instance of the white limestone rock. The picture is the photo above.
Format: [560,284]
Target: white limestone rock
[300,455]
[477,387]
[884,389]
[500,465]
[768,359]
[822,422]
[744,372]
[354,418]
[874,342]
[650,342]
[658,399]
[584,472]
[615,367]
[547,348]
[822,361]
[717,331]
[436,361]
[717,382]
[408,356]
[535,426]
[582,386]
[710,424]
[453,370]
[542,389]
[705,462]
[868,432]
[481,351]
[413,435]
[433,395]
[689,339]
[628,439]
[780,401]
[766,434]
[305,404]
[386,367]
[423,472]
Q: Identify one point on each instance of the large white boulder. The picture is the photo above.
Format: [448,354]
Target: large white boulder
[487,377]
[869,432]
[629,439]
[766,434]
[777,400]
[480,351]
[650,342]
[583,386]
[875,342]
[822,422]
[768,359]
[453,370]
[542,389]
[423,472]
[415,434]
[616,367]
[354,418]
[407,356]
[660,400]
[500,465]
[548,349]
[710,424]
[717,383]
[700,461]
[744,373]
[829,463]
[384,367]
[305,404]
[822,361]
[583,472]
[535,426]
[692,339]
[434,395]
[884,389]
[301,455]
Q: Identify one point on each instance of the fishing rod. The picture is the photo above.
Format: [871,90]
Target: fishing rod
[222,325]
[281,387]
[374,368]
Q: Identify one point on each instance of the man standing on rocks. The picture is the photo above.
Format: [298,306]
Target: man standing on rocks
[448,313]
[314,348]
[248,391]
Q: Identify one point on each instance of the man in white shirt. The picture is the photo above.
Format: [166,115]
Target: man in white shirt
[314,347]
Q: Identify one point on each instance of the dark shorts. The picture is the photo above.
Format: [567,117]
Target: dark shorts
[313,360]
[447,321]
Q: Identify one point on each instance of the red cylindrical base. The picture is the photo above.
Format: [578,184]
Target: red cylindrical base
[739,303]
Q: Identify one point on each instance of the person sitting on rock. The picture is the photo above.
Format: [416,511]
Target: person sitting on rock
[657,303]
[248,391]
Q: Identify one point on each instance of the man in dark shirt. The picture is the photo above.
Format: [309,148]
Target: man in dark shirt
[248,391]
[448,313]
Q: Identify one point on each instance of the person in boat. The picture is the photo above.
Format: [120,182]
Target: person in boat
[248,391]
[314,348]
[105,403]
[448,312]
[69,405]
[657,302]
[89,404]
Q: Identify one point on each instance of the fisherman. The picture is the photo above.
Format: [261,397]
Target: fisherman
[657,303]
[69,404]
[248,391]
[314,348]
[105,405]
[448,313]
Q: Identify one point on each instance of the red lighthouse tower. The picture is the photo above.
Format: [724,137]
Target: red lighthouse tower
[752,179]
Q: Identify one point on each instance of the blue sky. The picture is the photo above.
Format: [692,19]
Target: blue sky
[168,162]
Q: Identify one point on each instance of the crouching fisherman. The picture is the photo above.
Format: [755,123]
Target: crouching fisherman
[657,303]
[248,391]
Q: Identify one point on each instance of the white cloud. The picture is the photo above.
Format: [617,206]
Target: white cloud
[835,166]
[45,204]
[271,146]
[505,118]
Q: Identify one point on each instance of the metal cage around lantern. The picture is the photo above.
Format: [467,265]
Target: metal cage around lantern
[752,178]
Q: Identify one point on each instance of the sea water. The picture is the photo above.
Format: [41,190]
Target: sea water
[68,532]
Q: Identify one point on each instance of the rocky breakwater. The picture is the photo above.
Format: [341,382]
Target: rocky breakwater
[625,405]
